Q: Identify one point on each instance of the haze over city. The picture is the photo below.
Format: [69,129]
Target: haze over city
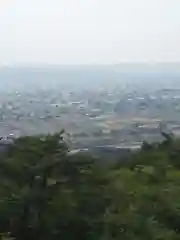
[108,72]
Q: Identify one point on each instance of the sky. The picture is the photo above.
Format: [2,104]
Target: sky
[89,31]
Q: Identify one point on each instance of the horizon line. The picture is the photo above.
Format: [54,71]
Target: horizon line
[87,64]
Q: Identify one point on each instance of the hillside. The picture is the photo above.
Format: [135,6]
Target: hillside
[47,194]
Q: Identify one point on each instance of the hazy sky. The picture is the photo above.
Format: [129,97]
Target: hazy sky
[89,31]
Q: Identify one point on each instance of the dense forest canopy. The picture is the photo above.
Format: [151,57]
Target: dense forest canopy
[47,194]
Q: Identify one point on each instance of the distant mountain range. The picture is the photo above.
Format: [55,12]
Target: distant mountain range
[121,66]
[84,75]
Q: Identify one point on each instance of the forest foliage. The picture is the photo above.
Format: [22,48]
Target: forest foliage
[45,194]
